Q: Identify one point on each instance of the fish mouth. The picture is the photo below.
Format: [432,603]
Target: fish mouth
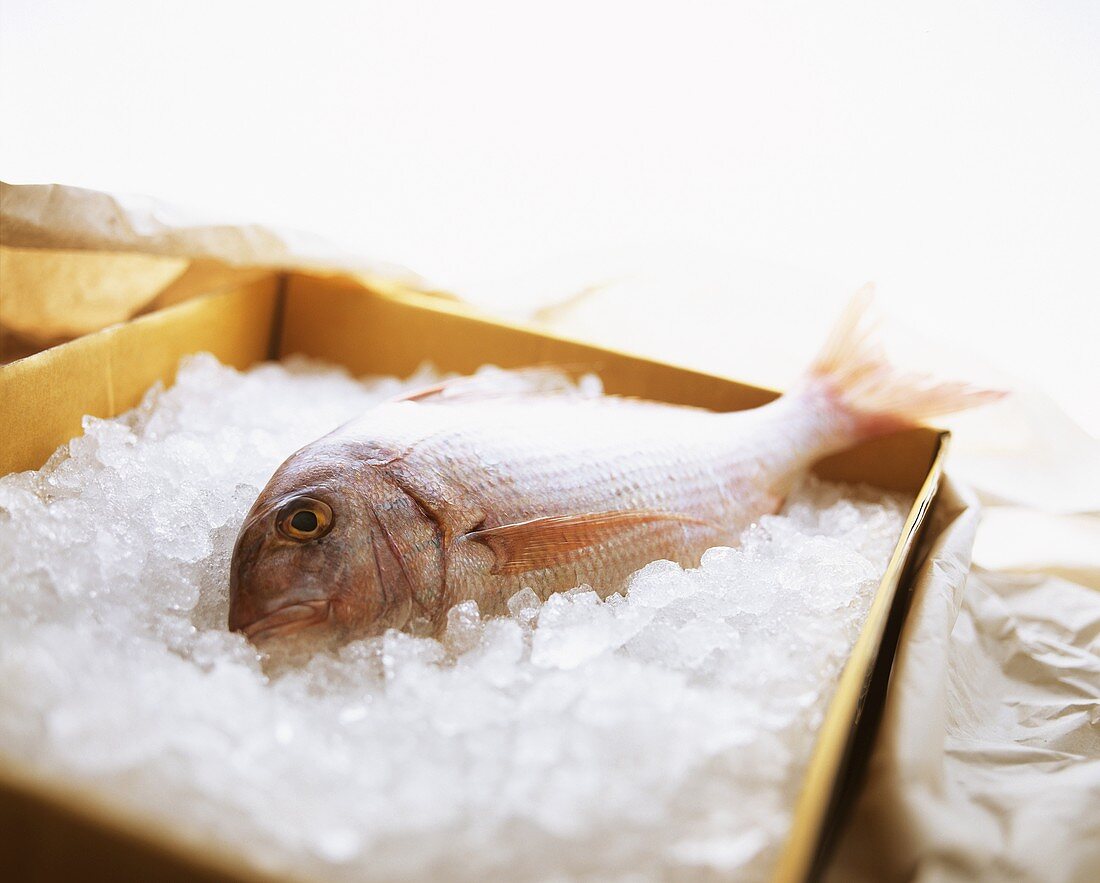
[286,620]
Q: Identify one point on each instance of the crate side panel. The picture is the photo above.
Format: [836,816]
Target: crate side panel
[833,759]
[378,333]
[44,397]
[898,462]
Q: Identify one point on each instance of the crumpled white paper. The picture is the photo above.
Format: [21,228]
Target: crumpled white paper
[58,216]
[987,765]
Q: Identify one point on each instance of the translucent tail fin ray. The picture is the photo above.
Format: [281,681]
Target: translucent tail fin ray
[854,366]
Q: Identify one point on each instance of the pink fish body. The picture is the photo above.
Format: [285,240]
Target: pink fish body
[477,489]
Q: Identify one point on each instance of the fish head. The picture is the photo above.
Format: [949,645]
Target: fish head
[316,558]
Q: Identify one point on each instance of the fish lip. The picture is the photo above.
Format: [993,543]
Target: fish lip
[287,619]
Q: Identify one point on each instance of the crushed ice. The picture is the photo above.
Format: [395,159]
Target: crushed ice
[659,734]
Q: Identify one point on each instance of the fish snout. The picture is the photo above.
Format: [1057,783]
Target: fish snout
[270,593]
[258,625]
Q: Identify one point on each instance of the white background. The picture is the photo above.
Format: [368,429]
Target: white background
[948,150]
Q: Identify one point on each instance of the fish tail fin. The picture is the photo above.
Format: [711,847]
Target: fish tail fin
[853,369]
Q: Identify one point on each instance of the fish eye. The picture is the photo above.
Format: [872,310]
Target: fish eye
[304,519]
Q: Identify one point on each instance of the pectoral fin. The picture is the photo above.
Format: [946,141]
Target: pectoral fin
[546,542]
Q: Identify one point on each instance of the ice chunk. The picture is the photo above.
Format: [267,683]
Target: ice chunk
[463,627]
[524,606]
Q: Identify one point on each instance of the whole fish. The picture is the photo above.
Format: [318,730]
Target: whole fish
[480,487]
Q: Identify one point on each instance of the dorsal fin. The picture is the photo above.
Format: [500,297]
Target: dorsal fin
[501,383]
[547,542]
[565,381]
